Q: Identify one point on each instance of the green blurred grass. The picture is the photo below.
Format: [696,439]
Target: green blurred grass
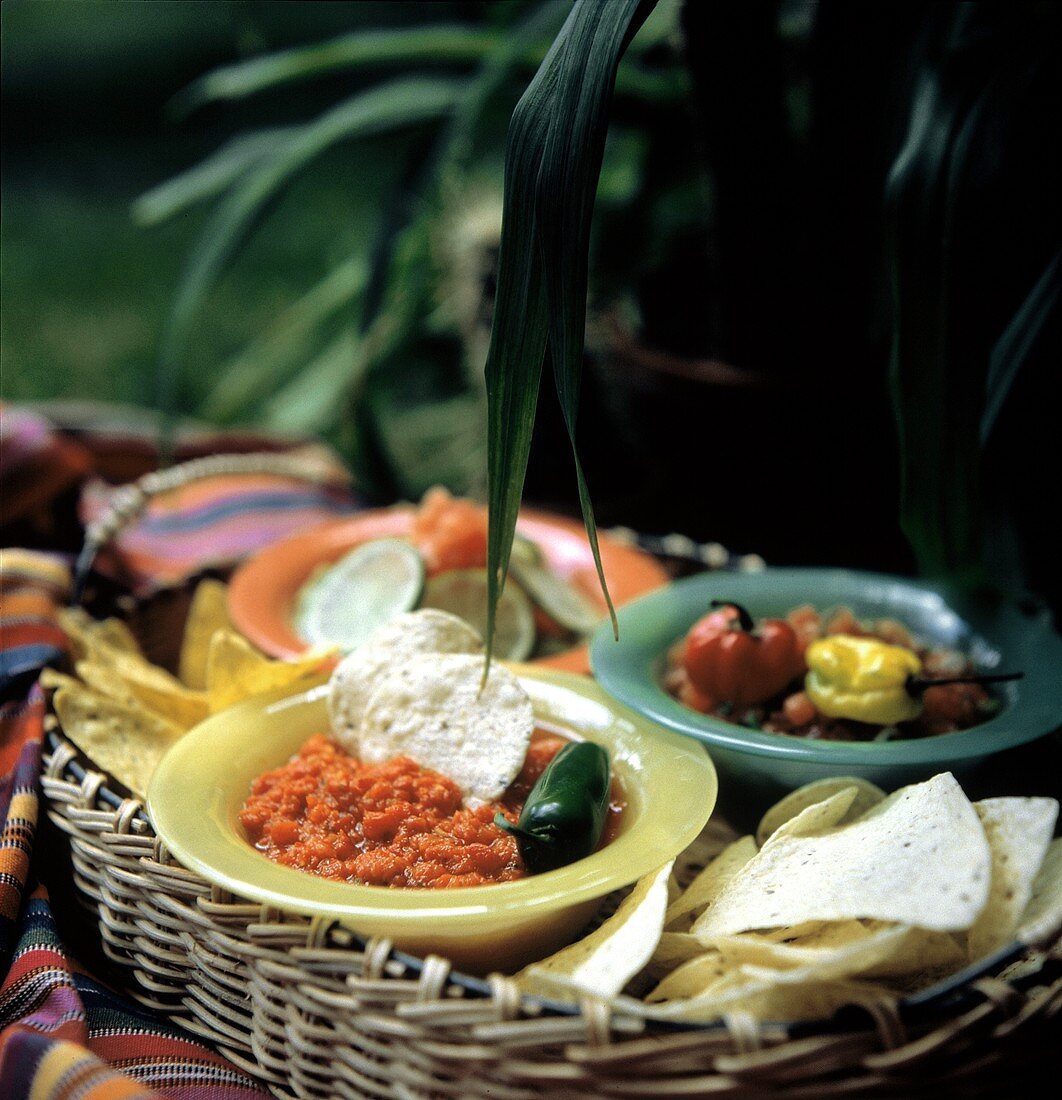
[86,291]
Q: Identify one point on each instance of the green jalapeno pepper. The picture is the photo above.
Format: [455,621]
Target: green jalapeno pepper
[564,815]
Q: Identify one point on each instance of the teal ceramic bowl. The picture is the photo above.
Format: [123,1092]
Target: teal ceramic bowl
[757,768]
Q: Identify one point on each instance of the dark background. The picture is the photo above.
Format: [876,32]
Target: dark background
[737,385]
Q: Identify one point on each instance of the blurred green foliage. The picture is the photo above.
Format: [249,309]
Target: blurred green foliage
[86,290]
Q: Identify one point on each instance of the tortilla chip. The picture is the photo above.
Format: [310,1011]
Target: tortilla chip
[132,681]
[766,995]
[93,638]
[52,680]
[236,670]
[1018,832]
[919,858]
[406,637]
[1042,918]
[694,978]
[601,964]
[208,614]
[436,710]
[127,742]
[867,796]
[818,817]
[674,949]
[707,886]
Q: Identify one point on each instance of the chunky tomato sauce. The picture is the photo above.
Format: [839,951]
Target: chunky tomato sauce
[391,824]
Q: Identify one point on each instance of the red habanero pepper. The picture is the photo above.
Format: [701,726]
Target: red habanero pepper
[733,660]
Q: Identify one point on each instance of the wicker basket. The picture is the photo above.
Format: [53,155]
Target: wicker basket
[315,1012]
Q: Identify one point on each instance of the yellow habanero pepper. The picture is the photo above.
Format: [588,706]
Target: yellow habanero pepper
[862,679]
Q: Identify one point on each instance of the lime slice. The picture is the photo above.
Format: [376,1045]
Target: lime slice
[559,598]
[463,592]
[525,550]
[368,587]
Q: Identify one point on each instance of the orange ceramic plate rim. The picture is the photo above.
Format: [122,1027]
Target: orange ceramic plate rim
[263,590]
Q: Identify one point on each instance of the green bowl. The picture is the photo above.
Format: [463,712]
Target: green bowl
[757,768]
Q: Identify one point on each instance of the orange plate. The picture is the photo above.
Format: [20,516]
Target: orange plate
[264,589]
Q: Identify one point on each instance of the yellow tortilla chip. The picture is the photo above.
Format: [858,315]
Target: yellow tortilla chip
[236,670]
[52,680]
[602,963]
[134,682]
[127,742]
[208,614]
[96,638]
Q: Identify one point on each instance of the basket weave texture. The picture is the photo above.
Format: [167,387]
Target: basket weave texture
[315,1012]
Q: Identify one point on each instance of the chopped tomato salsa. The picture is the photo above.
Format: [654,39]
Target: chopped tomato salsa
[390,824]
[450,532]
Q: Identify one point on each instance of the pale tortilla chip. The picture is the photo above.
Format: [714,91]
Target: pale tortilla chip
[436,710]
[867,796]
[132,681]
[818,817]
[127,742]
[209,613]
[918,858]
[392,647]
[765,995]
[1018,832]
[707,886]
[1042,918]
[674,949]
[601,964]
[236,670]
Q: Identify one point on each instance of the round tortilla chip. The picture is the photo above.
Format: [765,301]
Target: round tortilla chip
[436,710]
[393,646]
[867,796]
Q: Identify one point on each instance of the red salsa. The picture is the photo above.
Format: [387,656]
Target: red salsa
[390,824]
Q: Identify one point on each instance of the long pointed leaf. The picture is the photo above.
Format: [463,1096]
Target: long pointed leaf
[440,45]
[273,356]
[313,401]
[553,158]
[1019,341]
[565,202]
[210,177]
[390,106]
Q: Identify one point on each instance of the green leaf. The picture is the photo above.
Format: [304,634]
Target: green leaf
[553,159]
[950,368]
[390,106]
[440,45]
[271,358]
[1020,340]
[211,177]
[313,402]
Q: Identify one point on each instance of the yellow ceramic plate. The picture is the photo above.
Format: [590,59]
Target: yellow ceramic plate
[668,782]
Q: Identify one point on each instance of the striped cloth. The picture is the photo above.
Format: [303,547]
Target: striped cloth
[63,1035]
[218,521]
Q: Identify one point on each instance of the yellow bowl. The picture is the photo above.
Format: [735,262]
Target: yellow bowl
[668,782]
